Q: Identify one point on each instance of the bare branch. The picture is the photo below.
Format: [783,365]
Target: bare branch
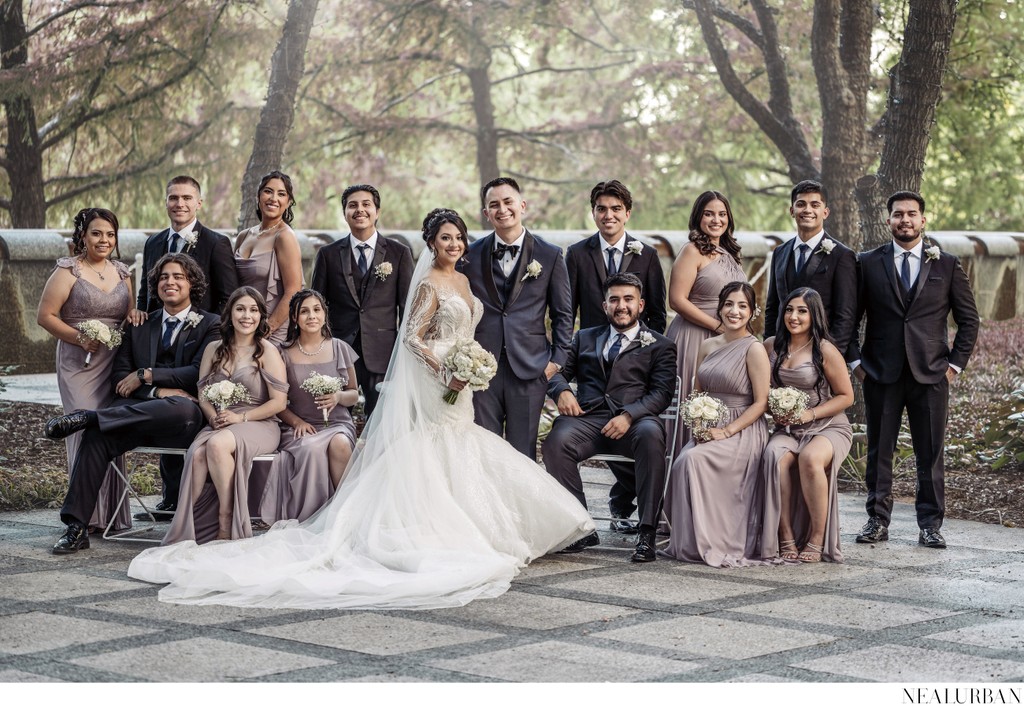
[560,70]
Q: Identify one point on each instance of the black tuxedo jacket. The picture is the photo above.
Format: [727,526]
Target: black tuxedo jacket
[833,275]
[139,347]
[912,327]
[213,253]
[365,312]
[641,382]
[517,325]
[588,267]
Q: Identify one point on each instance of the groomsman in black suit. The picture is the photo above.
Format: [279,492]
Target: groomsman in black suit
[814,259]
[907,292]
[520,279]
[364,277]
[626,376]
[612,250]
[156,370]
[211,250]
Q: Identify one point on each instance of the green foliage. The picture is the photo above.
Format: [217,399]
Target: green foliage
[1006,429]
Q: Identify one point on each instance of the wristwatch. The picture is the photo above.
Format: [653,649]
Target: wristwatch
[141,373]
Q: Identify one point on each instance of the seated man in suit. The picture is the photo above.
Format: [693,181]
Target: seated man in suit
[212,251]
[626,376]
[156,371]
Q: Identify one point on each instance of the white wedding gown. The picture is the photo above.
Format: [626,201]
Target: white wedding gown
[434,511]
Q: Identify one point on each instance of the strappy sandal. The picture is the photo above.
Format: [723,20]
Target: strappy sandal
[788,550]
[811,556]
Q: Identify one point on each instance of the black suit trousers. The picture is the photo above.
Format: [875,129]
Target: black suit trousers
[161,422]
[575,438]
[927,407]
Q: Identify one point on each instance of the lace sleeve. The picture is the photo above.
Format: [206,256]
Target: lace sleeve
[418,325]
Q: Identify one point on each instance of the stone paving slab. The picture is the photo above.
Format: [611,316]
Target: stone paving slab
[894,612]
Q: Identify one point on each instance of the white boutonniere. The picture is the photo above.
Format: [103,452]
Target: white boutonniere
[826,246]
[533,270]
[634,247]
[191,239]
[645,338]
[193,319]
[932,253]
[383,270]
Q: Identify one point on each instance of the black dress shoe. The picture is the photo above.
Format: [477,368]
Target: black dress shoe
[582,544]
[163,511]
[645,551]
[874,531]
[620,524]
[931,538]
[75,538]
[64,425]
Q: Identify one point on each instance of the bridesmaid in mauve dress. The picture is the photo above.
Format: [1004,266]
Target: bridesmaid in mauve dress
[313,455]
[213,501]
[267,256]
[703,267]
[89,286]
[802,459]
[715,509]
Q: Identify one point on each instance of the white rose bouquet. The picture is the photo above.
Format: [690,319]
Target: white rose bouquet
[96,331]
[225,393]
[787,404]
[701,412]
[470,362]
[321,385]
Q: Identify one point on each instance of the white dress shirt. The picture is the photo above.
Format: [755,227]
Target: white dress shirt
[181,241]
[813,244]
[620,248]
[915,259]
[630,333]
[508,261]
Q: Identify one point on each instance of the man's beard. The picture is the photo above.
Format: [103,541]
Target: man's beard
[629,325]
[902,236]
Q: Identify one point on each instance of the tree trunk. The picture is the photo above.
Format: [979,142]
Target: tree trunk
[286,68]
[24,157]
[905,128]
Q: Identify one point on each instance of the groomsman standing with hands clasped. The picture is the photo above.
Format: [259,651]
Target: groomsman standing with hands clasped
[520,279]
[907,291]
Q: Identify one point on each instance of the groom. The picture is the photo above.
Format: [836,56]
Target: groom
[907,292]
[156,370]
[520,279]
[626,376]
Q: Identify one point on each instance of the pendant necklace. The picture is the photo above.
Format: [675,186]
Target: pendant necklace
[802,346]
[97,272]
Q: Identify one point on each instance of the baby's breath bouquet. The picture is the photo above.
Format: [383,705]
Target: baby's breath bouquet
[787,403]
[98,332]
[321,385]
[225,393]
[701,412]
[470,362]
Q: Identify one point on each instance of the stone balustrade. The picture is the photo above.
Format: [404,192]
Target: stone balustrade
[993,260]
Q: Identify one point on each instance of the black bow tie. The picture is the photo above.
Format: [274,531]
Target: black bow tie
[500,250]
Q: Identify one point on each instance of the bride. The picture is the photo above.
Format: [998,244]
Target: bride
[433,510]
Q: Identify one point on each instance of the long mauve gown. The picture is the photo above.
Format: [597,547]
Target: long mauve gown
[299,482]
[838,432]
[263,273]
[199,522]
[90,388]
[689,336]
[715,507]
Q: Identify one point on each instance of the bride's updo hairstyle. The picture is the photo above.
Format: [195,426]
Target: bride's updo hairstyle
[438,217]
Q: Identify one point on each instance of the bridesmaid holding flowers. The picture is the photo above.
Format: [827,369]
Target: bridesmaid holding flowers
[317,434]
[811,440]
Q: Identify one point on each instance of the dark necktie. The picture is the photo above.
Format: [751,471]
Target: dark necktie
[905,270]
[175,240]
[616,346]
[361,261]
[612,270]
[501,249]
[801,260]
[169,326]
